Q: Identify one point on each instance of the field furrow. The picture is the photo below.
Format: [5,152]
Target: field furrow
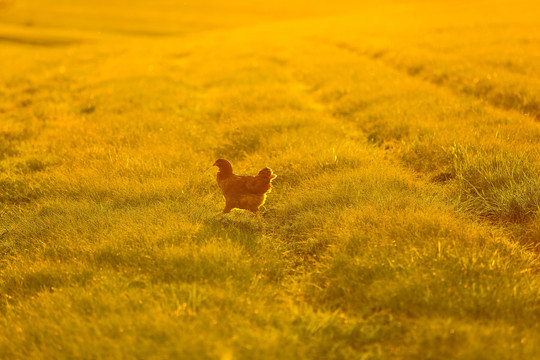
[500,85]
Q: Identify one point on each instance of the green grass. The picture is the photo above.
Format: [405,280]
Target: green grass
[404,222]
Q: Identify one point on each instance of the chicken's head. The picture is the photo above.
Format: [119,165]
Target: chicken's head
[223,165]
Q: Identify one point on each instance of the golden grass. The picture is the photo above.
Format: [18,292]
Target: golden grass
[403,222]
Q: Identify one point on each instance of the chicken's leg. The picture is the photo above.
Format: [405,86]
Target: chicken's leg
[259,219]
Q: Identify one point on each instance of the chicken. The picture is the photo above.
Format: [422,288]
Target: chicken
[242,191]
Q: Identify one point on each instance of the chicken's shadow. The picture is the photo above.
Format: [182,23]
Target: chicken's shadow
[230,226]
[241,231]
[238,222]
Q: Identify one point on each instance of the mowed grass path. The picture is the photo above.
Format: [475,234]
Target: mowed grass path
[403,223]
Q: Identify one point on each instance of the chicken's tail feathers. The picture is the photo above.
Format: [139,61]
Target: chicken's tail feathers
[267,173]
[260,184]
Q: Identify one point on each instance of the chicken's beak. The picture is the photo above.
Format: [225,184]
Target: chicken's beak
[215,163]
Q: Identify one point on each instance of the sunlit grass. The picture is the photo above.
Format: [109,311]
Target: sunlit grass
[403,222]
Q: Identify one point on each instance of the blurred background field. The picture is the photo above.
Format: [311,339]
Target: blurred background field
[404,222]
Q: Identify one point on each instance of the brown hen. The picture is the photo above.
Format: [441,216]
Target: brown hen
[243,191]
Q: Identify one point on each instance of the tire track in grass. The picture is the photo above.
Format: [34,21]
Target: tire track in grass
[520,102]
[504,210]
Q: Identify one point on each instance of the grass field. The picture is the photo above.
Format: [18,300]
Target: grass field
[404,222]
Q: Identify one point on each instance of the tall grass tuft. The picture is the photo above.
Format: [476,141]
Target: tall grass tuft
[497,185]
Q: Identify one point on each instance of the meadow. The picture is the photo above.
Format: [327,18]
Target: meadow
[404,222]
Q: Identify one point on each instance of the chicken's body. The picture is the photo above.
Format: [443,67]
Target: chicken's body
[241,191]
